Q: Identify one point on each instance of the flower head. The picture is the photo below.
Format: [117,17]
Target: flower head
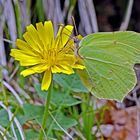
[44,53]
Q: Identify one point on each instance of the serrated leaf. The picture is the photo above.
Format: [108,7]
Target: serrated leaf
[64,121]
[31,112]
[63,99]
[35,113]
[58,98]
[70,82]
[109,59]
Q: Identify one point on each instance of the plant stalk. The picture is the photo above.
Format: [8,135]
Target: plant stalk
[46,112]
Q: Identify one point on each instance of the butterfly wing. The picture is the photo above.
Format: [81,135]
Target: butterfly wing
[109,59]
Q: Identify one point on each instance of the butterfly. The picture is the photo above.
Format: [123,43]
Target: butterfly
[109,58]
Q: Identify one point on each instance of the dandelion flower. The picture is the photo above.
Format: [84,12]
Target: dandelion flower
[42,52]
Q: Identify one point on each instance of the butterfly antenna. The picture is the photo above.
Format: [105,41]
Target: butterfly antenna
[73,20]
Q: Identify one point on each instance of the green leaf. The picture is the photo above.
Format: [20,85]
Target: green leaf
[58,97]
[62,99]
[109,59]
[35,113]
[4,119]
[64,121]
[39,91]
[31,134]
[40,10]
[70,82]
[31,112]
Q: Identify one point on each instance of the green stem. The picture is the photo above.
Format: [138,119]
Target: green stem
[46,112]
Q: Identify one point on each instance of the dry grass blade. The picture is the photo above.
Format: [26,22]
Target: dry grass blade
[25,16]
[59,12]
[11,115]
[10,19]
[66,7]
[13,92]
[2,130]
[10,119]
[92,15]
[125,23]
[2,22]
[85,21]
[61,126]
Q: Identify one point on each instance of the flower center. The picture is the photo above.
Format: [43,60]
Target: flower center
[51,57]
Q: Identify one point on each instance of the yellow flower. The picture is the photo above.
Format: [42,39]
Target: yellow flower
[45,53]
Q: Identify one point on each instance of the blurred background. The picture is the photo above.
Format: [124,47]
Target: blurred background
[117,121]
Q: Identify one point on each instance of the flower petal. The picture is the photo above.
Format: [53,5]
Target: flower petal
[25,47]
[35,69]
[78,66]
[34,36]
[66,33]
[47,78]
[67,69]
[66,59]
[63,35]
[44,33]
[49,31]
[59,69]
[70,46]
[60,30]
[56,69]
[25,59]
[58,40]
[28,38]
